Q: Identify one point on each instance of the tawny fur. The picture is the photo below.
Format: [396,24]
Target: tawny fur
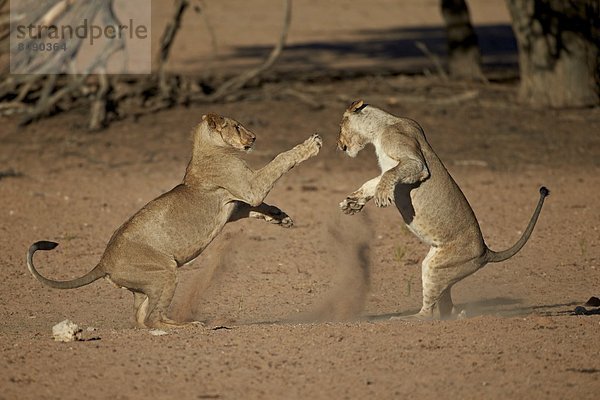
[173,229]
[431,203]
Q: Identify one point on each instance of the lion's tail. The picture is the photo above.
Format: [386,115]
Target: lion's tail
[88,278]
[493,256]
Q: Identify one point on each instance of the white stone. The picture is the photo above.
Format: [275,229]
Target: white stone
[158,332]
[66,331]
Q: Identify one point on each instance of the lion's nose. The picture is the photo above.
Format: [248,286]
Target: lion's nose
[342,147]
[250,138]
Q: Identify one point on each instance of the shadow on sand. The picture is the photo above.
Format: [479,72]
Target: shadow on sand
[389,47]
[499,307]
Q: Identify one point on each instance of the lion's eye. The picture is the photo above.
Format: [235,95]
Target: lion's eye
[237,129]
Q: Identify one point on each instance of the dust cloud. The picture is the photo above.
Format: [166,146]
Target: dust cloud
[347,241]
[342,243]
[193,290]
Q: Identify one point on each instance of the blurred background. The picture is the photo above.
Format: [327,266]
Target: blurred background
[205,51]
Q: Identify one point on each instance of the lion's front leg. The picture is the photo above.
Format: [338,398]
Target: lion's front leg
[260,183]
[408,171]
[355,202]
[263,211]
[384,192]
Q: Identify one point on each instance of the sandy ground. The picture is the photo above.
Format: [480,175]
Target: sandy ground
[297,313]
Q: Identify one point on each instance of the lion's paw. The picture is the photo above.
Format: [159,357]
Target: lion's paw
[313,144]
[352,205]
[384,195]
[286,222]
[278,216]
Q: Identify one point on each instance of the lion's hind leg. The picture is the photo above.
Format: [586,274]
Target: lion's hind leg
[153,287]
[160,289]
[441,269]
[140,307]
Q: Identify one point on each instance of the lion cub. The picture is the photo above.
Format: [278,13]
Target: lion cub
[173,229]
[430,202]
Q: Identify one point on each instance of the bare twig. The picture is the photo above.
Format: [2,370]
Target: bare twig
[4,22]
[454,99]
[302,97]
[433,58]
[214,46]
[43,108]
[12,107]
[166,42]
[240,80]
[26,88]
[98,108]
[55,13]
[10,173]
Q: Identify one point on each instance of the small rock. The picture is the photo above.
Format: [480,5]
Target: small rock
[158,332]
[592,302]
[219,327]
[66,331]
[580,310]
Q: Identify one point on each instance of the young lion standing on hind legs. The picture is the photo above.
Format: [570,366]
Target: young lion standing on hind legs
[173,229]
[430,202]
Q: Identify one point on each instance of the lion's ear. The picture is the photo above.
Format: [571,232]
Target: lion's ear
[214,120]
[356,106]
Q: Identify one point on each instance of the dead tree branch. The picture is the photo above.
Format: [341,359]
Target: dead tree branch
[433,58]
[98,109]
[38,92]
[166,42]
[209,27]
[242,79]
[46,104]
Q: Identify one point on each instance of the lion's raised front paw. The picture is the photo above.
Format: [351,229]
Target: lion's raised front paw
[313,144]
[286,222]
[352,205]
[278,216]
[384,195]
[273,215]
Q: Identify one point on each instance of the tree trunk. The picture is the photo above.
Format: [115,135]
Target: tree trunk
[464,57]
[559,53]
